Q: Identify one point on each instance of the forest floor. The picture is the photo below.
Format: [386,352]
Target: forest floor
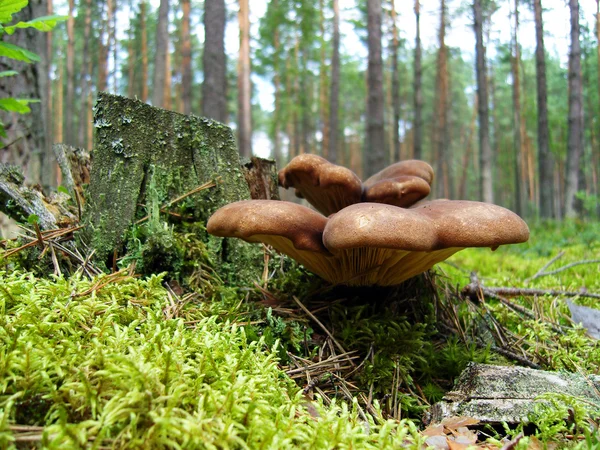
[122,361]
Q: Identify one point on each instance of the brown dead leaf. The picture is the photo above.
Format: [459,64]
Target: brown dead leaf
[434,430]
[452,423]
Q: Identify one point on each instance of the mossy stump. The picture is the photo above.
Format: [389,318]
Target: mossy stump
[143,158]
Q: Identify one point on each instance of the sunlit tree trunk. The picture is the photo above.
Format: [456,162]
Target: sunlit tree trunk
[545,166]
[186,58]
[112,39]
[58,106]
[102,56]
[85,76]
[244,86]
[441,132]
[144,33]
[69,101]
[160,58]
[214,87]
[48,175]
[323,85]
[131,85]
[335,86]
[375,143]
[486,185]
[518,129]
[395,88]
[575,129]
[418,93]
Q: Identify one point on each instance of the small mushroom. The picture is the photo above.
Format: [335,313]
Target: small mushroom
[290,228]
[326,186]
[401,184]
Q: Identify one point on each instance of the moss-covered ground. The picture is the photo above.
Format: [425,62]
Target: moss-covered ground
[184,360]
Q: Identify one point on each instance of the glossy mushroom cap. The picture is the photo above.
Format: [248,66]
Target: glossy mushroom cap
[401,184]
[326,186]
[290,228]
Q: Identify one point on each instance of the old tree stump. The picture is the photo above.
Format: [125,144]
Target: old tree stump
[145,157]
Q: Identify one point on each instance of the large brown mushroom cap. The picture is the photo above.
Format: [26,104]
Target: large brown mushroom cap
[290,228]
[326,186]
[401,184]
[462,223]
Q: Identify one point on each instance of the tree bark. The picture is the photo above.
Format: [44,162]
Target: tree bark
[335,86]
[545,166]
[112,40]
[441,133]
[418,93]
[130,61]
[277,86]
[160,59]
[518,130]
[69,100]
[102,56]
[244,86]
[144,33]
[85,78]
[186,58]
[323,97]
[375,142]
[395,88]
[214,87]
[575,129]
[486,185]
[49,175]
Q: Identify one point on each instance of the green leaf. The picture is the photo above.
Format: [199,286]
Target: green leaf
[45,23]
[15,52]
[63,189]
[33,219]
[18,105]
[9,7]
[8,73]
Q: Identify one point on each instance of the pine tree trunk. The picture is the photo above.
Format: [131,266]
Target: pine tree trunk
[85,79]
[144,33]
[130,62]
[48,175]
[69,101]
[214,87]
[57,106]
[485,150]
[160,58]
[375,143]
[517,121]
[323,97]
[418,93]
[335,86]
[441,131]
[167,94]
[575,129]
[395,88]
[102,57]
[545,166]
[277,86]
[244,86]
[186,58]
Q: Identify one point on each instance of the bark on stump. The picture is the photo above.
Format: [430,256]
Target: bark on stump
[145,155]
[497,394]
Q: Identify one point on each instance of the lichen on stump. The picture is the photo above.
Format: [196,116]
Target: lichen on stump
[144,154]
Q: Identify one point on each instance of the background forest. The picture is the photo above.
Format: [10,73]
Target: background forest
[351,81]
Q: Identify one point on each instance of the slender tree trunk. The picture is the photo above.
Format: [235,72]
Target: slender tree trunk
[545,166]
[575,130]
[418,93]
[323,84]
[335,86]
[167,94]
[186,58]
[214,87]
[85,78]
[58,106]
[395,88]
[130,62]
[144,33]
[69,101]
[277,86]
[48,175]
[375,142]
[160,59]
[486,185]
[102,56]
[441,133]
[517,121]
[112,36]
[244,85]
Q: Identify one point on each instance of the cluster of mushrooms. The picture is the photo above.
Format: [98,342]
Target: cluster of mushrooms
[374,233]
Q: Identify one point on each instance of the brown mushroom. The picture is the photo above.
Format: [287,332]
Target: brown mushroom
[385,245]
[326,186]
[401,184]
[290,228]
